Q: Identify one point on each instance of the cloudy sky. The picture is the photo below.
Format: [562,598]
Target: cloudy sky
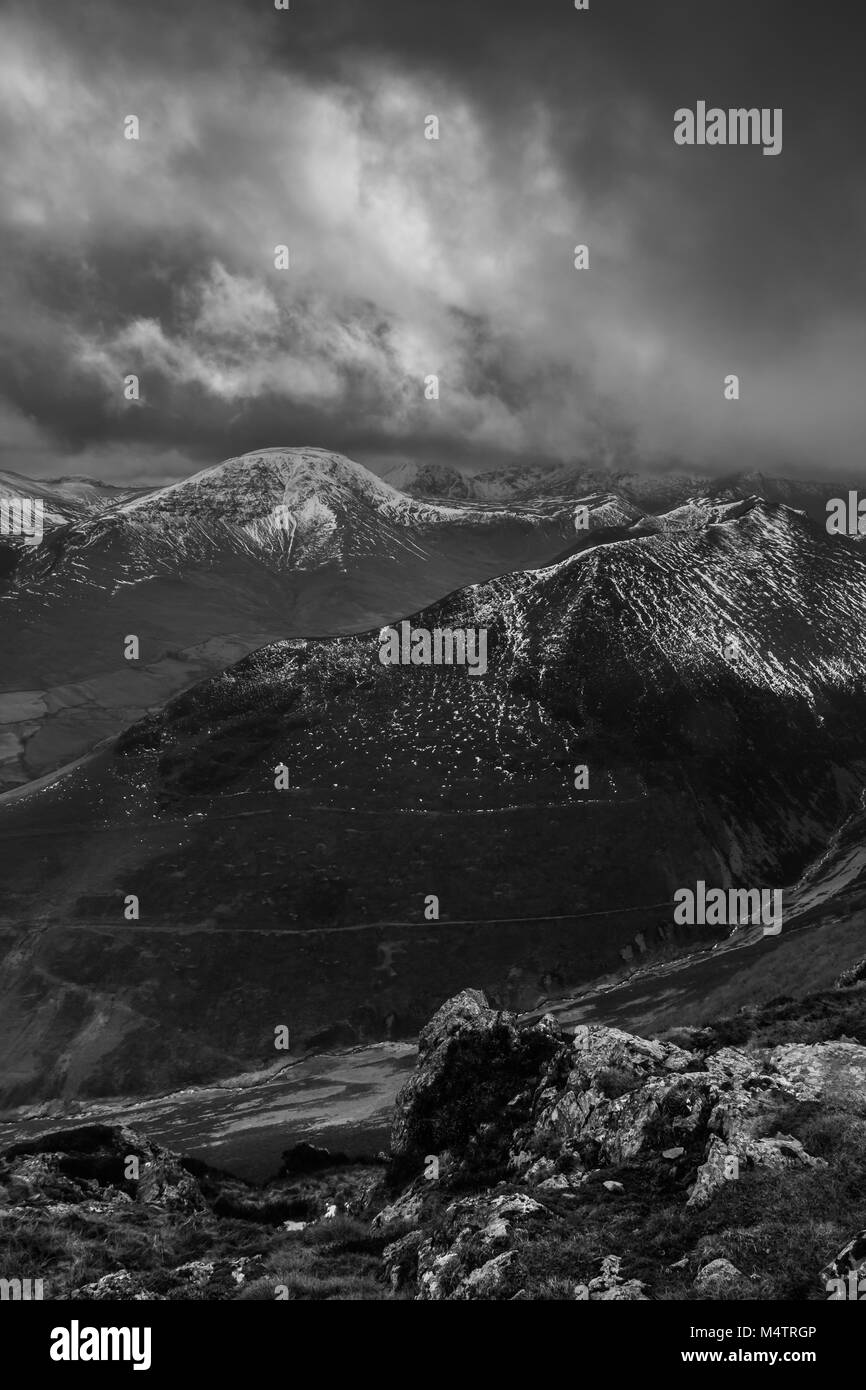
[410,256]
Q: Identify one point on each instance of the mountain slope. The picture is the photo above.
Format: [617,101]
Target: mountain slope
[710,679]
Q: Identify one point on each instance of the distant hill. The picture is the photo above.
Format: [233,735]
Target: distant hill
[651,492]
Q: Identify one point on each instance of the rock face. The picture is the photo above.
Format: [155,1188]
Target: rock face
[548,1117]
[472,1062]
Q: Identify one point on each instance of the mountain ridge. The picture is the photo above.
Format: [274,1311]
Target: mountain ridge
[409,781]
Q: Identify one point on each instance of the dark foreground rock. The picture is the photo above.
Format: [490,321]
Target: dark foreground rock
[310,1158]
[472,1062]
[101,1164]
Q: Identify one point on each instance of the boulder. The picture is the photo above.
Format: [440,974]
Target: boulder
[621,1096]
[598,1048]
[717,1275]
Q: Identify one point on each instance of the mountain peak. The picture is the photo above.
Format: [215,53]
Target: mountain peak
[266,478]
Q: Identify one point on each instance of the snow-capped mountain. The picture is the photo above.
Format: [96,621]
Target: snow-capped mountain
[276,543]
[298,509]
[60,501]
[660,706]
[650,492]
[57,508]
[65,499]
[663,641]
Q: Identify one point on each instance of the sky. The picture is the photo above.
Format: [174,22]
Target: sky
[411,257]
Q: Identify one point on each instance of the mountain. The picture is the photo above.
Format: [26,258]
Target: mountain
[274,544]
[290,509]
[531,482]
[59,500]
[58,508]
[709,678]
[649,492]
[66,499]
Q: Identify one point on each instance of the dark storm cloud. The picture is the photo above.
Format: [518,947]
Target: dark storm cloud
[412,257]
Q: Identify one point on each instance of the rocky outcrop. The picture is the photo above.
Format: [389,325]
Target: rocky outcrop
[852,975]
[549,1117]
[489,1094]
[531,1164]
[97,1164]
[472,1062]
[198,1279]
